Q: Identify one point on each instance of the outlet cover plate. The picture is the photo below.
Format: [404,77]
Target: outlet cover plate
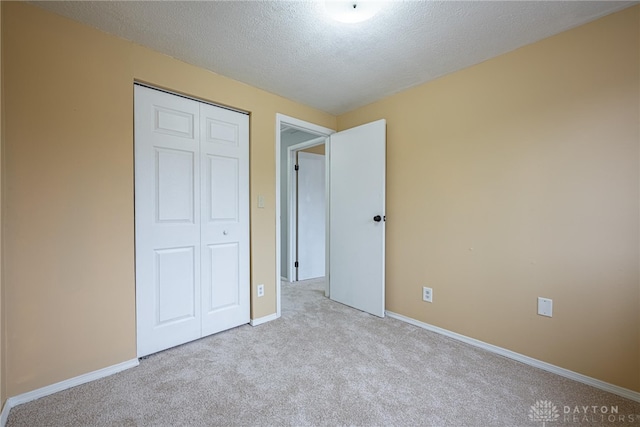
[427,294]
[545,307]
[260,290]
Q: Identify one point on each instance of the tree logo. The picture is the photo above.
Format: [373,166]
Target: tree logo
[544,411]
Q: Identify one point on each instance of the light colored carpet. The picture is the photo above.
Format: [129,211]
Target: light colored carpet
[322,363]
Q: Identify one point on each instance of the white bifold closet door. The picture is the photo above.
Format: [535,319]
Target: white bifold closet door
[191,219]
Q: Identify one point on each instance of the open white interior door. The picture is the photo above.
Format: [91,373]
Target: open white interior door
[357,217]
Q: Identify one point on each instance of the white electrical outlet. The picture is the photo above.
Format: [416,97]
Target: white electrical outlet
[260,290]
[427,294]
[545,307]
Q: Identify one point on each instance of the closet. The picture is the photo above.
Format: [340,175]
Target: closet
[191,219]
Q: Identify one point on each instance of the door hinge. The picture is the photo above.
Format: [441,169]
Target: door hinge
[297,167]
[295,264]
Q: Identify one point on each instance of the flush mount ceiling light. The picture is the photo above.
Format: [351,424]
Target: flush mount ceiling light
[353,11]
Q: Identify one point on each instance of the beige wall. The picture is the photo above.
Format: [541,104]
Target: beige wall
[69,266]
[2,346]
[519,178]
[316,149]
[638,118]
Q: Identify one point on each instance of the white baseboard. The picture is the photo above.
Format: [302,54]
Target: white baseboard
[265,319]
[4,416]
[611,388]
[63,385]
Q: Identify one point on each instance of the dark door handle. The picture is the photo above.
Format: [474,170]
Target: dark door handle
[377,218]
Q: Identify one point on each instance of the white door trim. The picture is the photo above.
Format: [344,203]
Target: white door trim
[291,199]
[321,131]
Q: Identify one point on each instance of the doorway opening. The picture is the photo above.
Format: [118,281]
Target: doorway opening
[303,252]
[355,226]
[293,136]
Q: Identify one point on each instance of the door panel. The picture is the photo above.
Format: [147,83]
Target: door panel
[224,290]
[174,185]
[225,219]
[311,215]
[224,188]
[357,195]
[222,132]
[174,122]
[167,225]
[175,285]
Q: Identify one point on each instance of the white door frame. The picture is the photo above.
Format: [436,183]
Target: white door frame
[292,198]
[321,131]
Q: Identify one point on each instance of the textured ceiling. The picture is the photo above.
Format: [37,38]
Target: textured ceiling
[293,49]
